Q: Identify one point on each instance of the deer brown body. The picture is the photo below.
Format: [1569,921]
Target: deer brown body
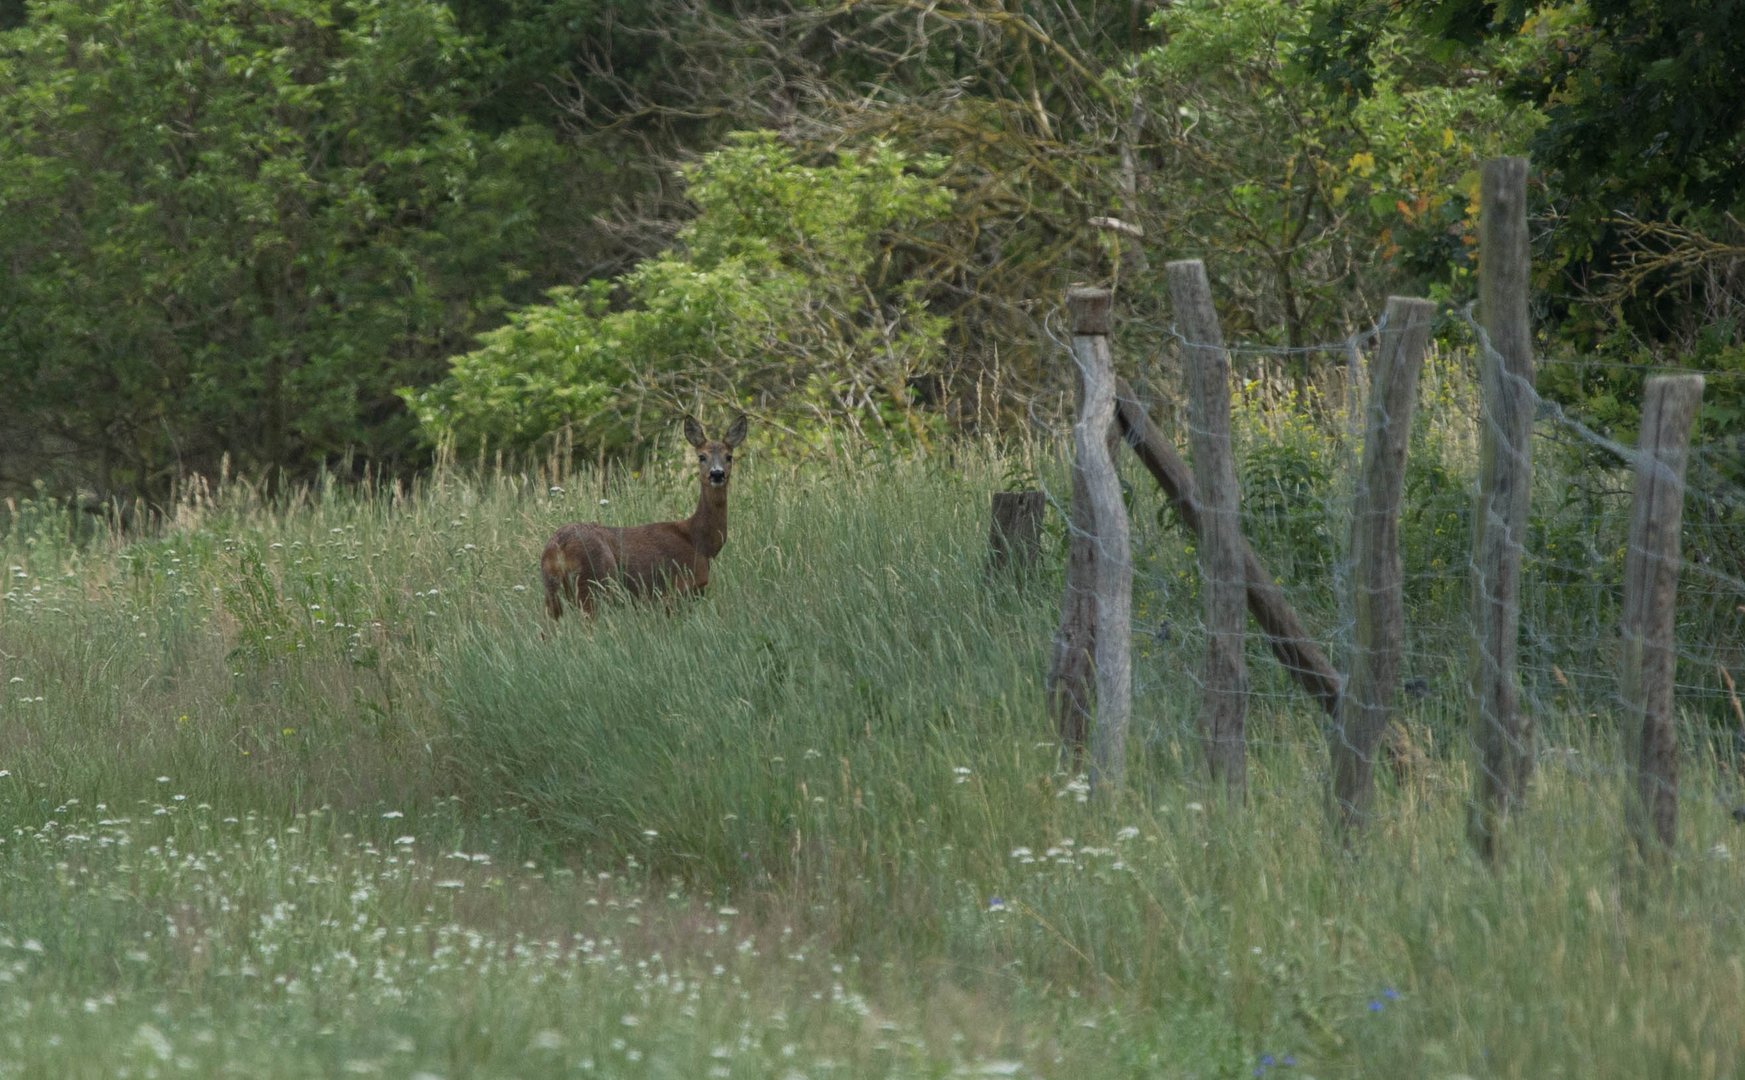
[665,557]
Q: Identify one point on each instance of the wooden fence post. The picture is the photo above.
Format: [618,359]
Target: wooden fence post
[1015,533]
[1650,587]
[1505,476]
[1377,586]
[1225,686]
[1094,451]
[1074,662]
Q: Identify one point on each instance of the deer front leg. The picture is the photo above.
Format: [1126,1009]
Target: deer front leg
[553,600]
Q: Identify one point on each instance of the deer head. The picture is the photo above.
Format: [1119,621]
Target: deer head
[715,458]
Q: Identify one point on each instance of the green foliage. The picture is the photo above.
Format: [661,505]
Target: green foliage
[1637,152]
[1644,113]
[1287,460]
[235,229]
[776,292]
[525,48]
[1311,199]
[1435,526]
[265,627]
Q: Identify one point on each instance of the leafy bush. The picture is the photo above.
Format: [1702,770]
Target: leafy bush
[775,293]
[1286,463]
[1308,185]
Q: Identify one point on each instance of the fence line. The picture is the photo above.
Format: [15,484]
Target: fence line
[1564,599]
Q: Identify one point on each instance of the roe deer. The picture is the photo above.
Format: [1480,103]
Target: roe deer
[646,559]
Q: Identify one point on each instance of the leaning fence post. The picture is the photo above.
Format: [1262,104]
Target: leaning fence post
[1377,582]
[1650,587]
[1505,475]
[1279,623]
[1223,708]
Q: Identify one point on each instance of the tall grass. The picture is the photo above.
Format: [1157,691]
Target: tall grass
[310,789]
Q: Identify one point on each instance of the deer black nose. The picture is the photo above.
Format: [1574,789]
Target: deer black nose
[717,476]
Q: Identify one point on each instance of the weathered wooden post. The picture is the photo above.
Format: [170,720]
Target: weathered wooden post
[1096,606]
[1505,475]
[1377,583]
[1094,448]
[1225,686]
[1650,588]
[1015,534]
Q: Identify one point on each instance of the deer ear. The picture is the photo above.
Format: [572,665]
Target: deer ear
[694,432]
[736,433]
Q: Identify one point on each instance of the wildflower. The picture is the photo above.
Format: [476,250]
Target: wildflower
[996,904]
[155,1041]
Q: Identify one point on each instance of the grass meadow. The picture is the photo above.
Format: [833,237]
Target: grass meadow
[304,788]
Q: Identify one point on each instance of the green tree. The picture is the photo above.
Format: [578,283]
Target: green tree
[237,227]
[777,293]
[1314,189]
[1011,98]
[1641,151]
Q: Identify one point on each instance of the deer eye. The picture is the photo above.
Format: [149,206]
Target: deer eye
[729,457]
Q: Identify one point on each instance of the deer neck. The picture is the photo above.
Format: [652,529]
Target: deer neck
[709,523]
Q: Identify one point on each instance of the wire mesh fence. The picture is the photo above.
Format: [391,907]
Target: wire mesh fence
[1298,443]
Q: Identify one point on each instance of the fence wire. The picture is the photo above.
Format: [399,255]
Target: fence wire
[1297,432]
